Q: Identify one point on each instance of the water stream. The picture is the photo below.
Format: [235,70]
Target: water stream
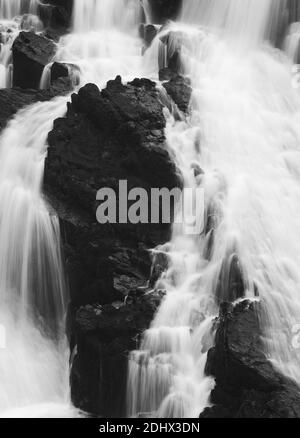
[243,131]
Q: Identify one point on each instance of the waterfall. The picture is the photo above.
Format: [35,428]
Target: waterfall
[33,294]
[15,15]
[147,10]
[241,18]
[34,366]
[244,133]
[92,15]
[104,42]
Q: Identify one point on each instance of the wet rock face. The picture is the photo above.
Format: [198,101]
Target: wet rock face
[105,335]
[148,32]
[178,88]
[59,70]
[108,136]
[57,14]
[31,53]
[247,385]
[165,9]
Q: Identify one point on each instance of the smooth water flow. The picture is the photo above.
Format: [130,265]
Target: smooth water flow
[92,15]
[240,143]
[105,40]
[33,294]
[34,365]
[243,132]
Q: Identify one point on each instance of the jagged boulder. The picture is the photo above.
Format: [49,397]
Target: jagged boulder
[59,70]
[247,384]
[178,88]
[57,14]
[104,335]
[165,9]
[148,32]
[31,53]
[108,136]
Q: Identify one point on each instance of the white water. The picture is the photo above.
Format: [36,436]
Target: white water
[11,8]
[292,42]
[33,295]
[105,40]
[244,132]
[15,15]
[94,15]
[34,366]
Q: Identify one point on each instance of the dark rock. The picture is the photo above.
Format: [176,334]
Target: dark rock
[57,14]
[12,100]
[108,136]
[247,384]
[104,336]
[179,89]
[198,172]
[52,34]
[165,9]
[134,115]
[148,32]
[160,264]
[31,53]
[231,285]
[59,70]
[166,74]
[60,17]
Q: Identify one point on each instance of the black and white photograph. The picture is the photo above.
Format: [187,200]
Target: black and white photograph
[149,212]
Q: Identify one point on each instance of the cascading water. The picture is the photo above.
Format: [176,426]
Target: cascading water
[15,15]
[292,42]
[244,133]
[92,15]
[33,295]
[9,9]
[33,298]
[105,40]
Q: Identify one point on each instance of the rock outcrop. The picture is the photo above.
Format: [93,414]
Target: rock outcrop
[108,136]
[148,32]
[247,384]
[178,88]
[31,53]
[165,9]
[104,335]
[57,14]
[59,70]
